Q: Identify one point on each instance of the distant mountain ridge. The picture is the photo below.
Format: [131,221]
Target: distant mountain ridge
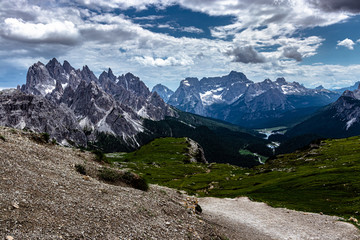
[350,88]
[236,99]
[339,119]
[163,91]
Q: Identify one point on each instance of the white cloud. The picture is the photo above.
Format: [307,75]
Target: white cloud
[54,32]
[159,62]
[270,27]
[348,43]
[192,29]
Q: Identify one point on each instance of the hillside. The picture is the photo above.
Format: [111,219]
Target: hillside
[221,141]
[319,179]
[337,120]
[44,197]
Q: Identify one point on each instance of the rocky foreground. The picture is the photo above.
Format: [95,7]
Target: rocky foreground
[42,196]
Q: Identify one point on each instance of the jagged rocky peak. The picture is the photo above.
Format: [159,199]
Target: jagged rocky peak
[57,71]
[281,81]
[107,76]
[67,67]
[163,91]
[320,87]
[39,80]
[267,80]
[238,76]
[88,75]
[133,83]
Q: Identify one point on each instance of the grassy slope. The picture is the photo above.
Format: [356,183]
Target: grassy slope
[324,180]
[221,141]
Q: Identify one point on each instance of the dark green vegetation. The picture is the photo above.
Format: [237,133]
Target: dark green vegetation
[40,138]
[80,169]
[113,176]
[2,138]
[221,141]
[324,178]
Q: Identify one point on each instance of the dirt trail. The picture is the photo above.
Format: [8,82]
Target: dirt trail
[254,220]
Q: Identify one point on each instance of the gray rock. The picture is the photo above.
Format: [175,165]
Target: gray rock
[27,111]
[163,91]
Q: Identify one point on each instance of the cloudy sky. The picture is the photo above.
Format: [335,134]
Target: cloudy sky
[163,41]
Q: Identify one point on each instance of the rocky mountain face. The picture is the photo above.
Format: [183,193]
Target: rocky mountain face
[75,105]
[350,88]
[339,119]
[236,99]
[27,111]
[163,91]
[130,91]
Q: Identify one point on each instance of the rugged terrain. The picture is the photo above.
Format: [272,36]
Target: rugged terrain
[320,178]
[42,196]
[236,99]
[115,113]
[163,91]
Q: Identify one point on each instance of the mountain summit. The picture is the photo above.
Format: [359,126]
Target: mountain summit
[110,104]
[236,99]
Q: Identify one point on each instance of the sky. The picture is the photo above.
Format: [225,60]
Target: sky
[314,42]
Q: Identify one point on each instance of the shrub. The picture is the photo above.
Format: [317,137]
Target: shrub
[2,138]
[131,179]
[80,169]
[45,136]
[99,155]
[40,138]
[135,181]
[109,175]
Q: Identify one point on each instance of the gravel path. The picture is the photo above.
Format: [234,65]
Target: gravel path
[254,220]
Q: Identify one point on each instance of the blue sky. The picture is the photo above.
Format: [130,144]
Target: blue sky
[163,41]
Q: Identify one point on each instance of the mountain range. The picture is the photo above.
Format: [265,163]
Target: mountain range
[119,113]
[115,113]
[337,120]
[115,105]
[236,99]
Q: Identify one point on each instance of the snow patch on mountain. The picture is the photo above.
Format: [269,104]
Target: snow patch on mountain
[211,97]
[350,123]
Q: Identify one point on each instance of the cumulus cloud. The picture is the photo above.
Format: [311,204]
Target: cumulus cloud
[246,54]
[266,28]
[55,32]
[348,43]
[159,62]
[292,52]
